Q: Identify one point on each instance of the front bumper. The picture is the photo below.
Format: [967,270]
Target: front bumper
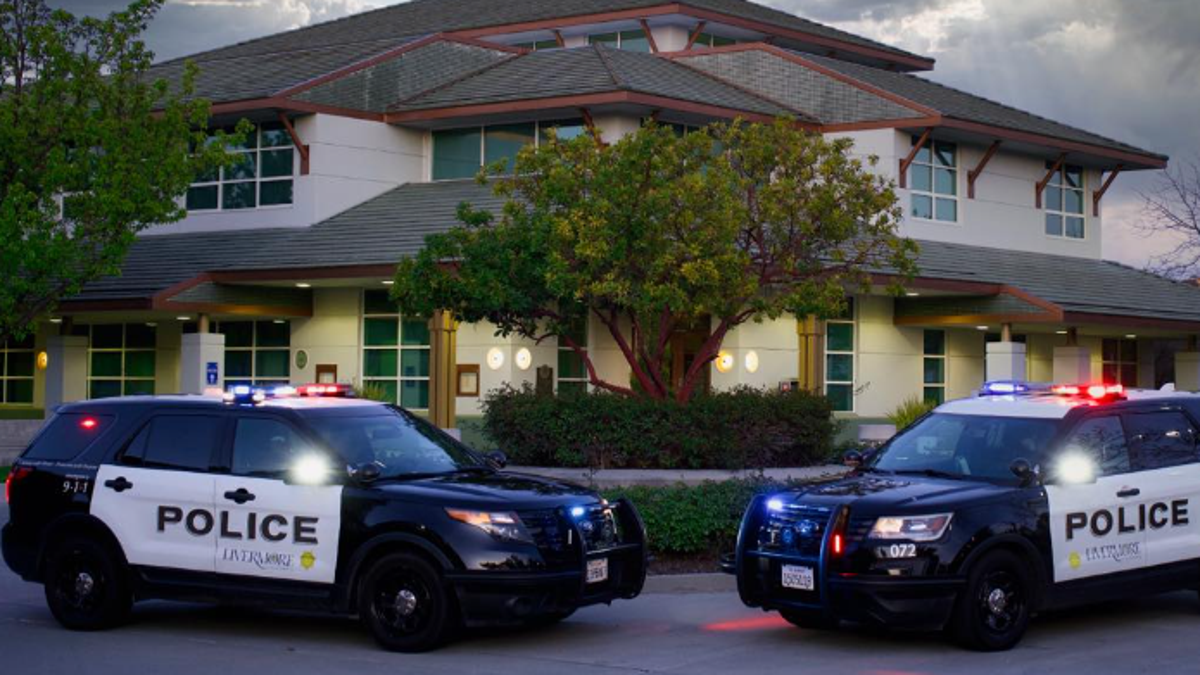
[496,598]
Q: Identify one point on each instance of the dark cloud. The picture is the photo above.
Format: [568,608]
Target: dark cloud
[1129,69]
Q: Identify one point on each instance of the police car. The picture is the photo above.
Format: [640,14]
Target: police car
[987,511]
[312,501]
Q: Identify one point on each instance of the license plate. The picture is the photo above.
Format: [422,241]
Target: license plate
[597,571]
[798,577]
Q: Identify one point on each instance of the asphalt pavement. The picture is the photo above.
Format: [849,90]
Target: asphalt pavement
[693,627]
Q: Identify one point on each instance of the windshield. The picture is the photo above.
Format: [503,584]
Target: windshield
[967,445]
[401,444]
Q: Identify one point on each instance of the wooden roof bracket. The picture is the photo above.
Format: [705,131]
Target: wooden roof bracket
[649,35]
[591,125]
[1041,186]
[974,174]
[1099,194]
[300,146]
[695,35]
[558,37]
[912,154]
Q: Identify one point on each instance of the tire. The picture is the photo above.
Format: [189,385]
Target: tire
[87,585]
[993,611]
[405,604]
[808,619]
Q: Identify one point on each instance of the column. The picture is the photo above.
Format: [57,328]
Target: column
[443,367]
[1006,361]
[66,369]
[202,362]
[1187,371]
[1072,365]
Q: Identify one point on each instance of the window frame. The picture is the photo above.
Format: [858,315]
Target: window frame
[6,376]
[215,456]
[932,194]
[852,321]
[539,128]
[1058,182]
[620,39]
[257,152]
[255,379]
[399,348]
[584,380]
[926,357]
[1120,363]
[124,350]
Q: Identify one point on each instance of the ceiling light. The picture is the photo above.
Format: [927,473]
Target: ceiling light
[56,320]
[981,327]
[1060,332]
[1131,336]
[913,294]
[184,318]
[280,321]
[303,285]
[388,282]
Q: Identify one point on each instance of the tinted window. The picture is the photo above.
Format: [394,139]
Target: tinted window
[1102,439]
[176,442]
[400,443]
[265,447]
[967,445]
[1161,439]
[67,436]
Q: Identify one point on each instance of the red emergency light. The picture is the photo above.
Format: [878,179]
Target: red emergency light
[1093,391]
[324,390]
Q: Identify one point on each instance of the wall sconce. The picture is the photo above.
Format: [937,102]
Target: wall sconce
[724,362]
[495,358]
[523,359]
[43,360]
[752,362]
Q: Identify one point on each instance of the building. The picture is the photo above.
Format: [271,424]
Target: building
[370,128]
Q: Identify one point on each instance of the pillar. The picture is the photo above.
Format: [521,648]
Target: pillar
[1072,365]
[1187,371]
[66,369]
[811,332]
[1006,361]
[443,367]
[202,362]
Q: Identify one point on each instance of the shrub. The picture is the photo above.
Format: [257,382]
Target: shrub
[911,410]
[738,429]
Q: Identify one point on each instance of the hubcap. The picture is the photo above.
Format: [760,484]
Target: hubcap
[1001,600]
[84,584]
[406,602]
[403,603]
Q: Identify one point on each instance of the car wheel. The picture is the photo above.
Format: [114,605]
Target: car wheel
[808,619]
[405,604]
[86,585]
[993,611]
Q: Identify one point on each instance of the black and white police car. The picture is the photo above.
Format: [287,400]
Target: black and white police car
[313,501]
[987,511]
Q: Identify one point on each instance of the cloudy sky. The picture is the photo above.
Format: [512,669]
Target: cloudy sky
[1128,69]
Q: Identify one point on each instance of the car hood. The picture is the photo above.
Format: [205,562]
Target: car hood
[501,490]
[897,494]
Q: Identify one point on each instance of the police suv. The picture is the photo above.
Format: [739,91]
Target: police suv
[308,501]
[987,511]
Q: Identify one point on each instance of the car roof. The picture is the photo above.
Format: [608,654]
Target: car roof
[1043,405]
[296,403]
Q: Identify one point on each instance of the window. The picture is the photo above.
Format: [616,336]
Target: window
[257,352]
[933,182]
[935,367]
[709,40]
[1161,439]
[839,360]
[629,40]
[1064,203]
[67,436]
[400,443]
[183,442]
[395,351]
[1120,358]
[572,373]
[538,45]
[969,445]
[1102,439]
[17,359]
[265,447]
[262,175]
[461,153]
[121,359]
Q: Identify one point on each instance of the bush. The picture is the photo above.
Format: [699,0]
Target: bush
[686,519]
[738,429]
[911,410]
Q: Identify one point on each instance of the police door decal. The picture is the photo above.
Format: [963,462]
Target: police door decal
[267,528]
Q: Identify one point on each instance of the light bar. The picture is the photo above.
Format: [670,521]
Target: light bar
[1003,387]
[325,390]
[1093,391]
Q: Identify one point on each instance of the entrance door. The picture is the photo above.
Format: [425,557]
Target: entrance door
[685,348]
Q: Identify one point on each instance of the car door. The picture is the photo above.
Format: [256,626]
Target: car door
[157,496]
[275,522]
[1093,518]
[1163,450]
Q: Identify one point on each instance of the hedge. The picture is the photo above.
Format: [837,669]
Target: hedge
[739,429]
[700,519]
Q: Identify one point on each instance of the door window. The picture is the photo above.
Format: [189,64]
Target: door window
[265,447]
[1162,439]
[1102,439]
[184,442]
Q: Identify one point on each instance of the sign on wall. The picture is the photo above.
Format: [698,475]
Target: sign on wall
[212,374]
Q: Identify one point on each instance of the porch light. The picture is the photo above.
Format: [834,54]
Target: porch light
[724,362]
[43,360]
[752,362]
[495,358]
[523,359]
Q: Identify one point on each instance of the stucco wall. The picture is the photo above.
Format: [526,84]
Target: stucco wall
[332,336]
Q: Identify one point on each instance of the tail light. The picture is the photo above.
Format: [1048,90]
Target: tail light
[17,473]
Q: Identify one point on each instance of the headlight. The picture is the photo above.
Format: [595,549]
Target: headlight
[505,526]
[913,528]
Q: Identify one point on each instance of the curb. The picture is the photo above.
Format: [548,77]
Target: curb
[681,584]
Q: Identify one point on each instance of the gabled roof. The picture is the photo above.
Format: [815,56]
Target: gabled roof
[594,69]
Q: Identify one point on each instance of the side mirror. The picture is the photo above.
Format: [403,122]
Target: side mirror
[497,458]
[853,459]
[367,472]
[1023,470]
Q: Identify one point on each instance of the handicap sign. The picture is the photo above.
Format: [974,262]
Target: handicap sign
[212,373]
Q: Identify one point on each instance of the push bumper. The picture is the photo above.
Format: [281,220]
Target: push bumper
[497,598]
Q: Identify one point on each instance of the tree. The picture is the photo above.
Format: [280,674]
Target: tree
[658,232]
[91,151]
[1171,211]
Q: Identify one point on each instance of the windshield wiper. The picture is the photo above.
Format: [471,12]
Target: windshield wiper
[934,473]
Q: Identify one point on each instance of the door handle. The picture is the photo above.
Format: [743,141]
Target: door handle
[1129,492]
[241,496]
[119,484]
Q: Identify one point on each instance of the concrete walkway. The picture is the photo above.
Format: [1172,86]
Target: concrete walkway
[607,478]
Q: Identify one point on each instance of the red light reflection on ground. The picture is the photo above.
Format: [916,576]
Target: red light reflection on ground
[767,622]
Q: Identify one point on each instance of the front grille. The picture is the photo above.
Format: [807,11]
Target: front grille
[858,528]
[600,529]
[797,529]
[554,535]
